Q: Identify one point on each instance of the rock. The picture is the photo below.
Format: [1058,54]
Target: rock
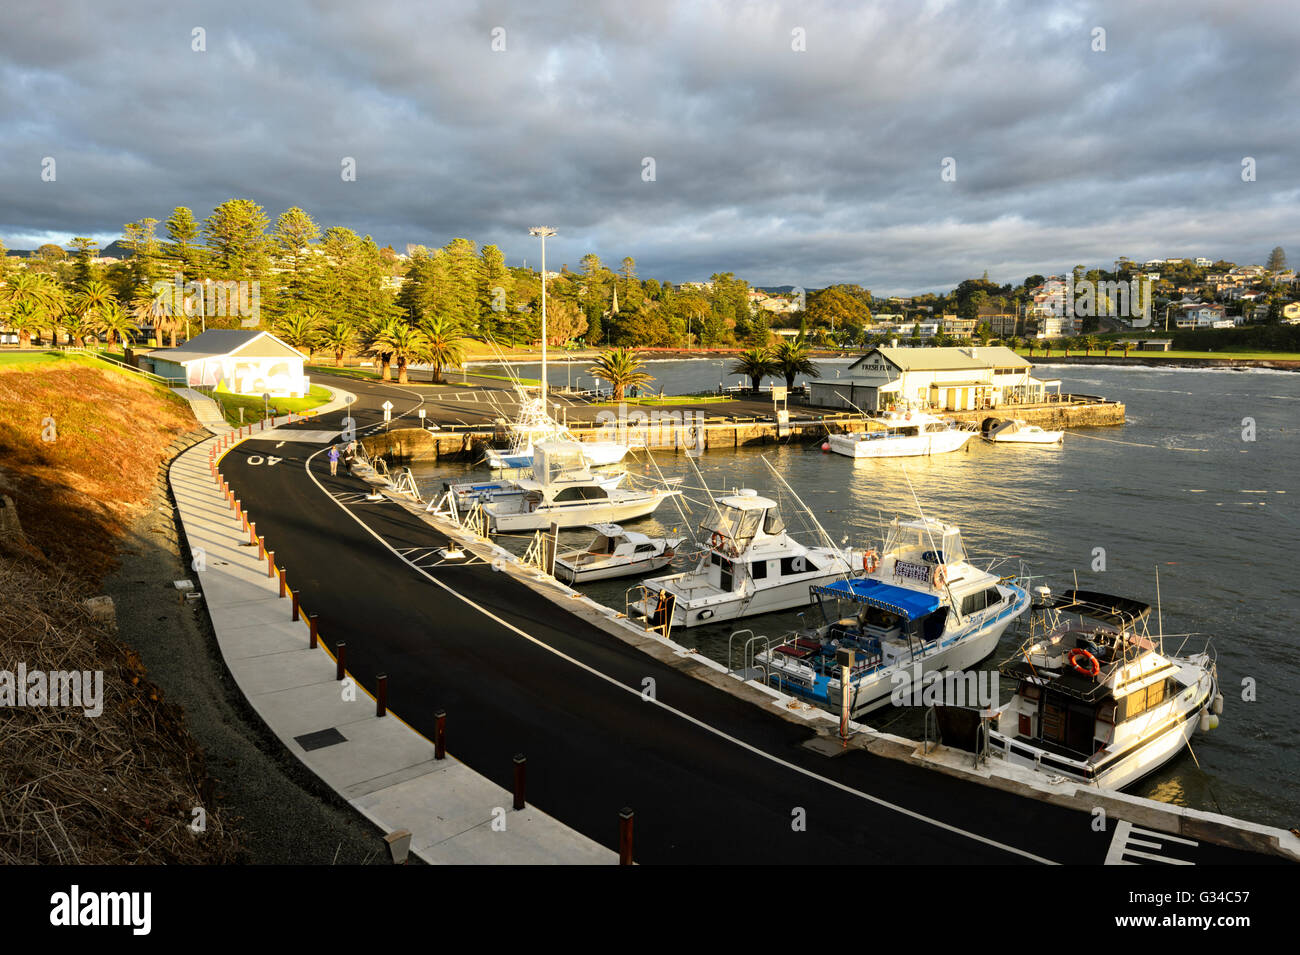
[102,609]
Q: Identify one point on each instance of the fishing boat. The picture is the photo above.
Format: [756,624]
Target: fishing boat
[563,492]
[1016,431]
[467,493]
[534,426]
[902,434]
[752,566]
[616,553]
[1098,700]
[920,607]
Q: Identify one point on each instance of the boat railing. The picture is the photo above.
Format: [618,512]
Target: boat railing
[931,716]
[404,483]
[645,595]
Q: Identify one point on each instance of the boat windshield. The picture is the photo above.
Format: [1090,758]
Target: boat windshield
[734,523]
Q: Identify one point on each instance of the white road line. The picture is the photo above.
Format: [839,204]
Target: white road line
[910,813]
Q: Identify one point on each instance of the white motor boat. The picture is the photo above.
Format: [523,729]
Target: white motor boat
[616,553]
[919,608]
[1017,431]
[752,566]
[534,426]
[563,492]
[1097,699]
[902,434]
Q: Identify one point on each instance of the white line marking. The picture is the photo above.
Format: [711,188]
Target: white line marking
[678,713]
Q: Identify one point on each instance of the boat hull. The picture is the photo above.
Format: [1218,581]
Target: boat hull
[583,575]
[718,607]
[908,446]
[566,516]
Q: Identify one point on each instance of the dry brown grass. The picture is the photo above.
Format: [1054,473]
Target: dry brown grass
[120,787]
[77,493]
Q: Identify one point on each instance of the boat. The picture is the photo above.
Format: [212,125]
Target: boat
[1016,431]
[616,553]
[562,492]
[1097,698]
[468,493]
[918,608]
[752,566]
[534,426]
[902,434]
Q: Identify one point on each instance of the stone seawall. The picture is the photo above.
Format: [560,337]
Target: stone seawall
[407,445]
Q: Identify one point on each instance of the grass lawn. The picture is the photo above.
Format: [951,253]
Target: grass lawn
[12,359]
[253,404]
[1134,353]
[663,400]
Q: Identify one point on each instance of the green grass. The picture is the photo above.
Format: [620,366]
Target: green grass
[11,359]
[1134,353]
[253,404]
[663,400]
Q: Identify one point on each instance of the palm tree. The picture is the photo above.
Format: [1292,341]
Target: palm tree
[338,338]
[407,343]
[155,309]
[1089,342]
[792,359]
[91,302]
[377,342]
[444,344]
[301,330]
[756,364]
[622,369]
[24,318]
[116,324]
[1127,345]
[78,328]
[51,298]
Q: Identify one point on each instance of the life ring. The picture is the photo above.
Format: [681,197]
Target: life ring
[716,540]
[870,561]
[940,577]
[1079,653]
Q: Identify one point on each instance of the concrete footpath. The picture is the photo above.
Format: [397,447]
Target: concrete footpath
[381,766]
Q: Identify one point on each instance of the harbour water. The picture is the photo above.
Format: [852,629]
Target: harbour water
[1201,484]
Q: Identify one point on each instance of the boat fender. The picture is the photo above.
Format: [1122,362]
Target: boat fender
[1205,721]
[870,561]
[940,577]
[1218,705]
[1078,654]
[1214,722]
[715,541]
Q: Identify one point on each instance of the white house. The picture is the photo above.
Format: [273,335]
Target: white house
[951,379]
[239,361]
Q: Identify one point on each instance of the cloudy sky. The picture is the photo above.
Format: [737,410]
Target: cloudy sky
[696,137]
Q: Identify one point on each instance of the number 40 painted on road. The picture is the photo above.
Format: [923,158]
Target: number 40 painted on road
[271,460]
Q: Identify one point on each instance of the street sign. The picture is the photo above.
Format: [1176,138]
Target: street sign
[388,411]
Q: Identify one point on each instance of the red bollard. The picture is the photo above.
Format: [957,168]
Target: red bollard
[311,629]
[261,547]
[625,836]
[521,765]
[381,694]
[440,735]
[284,585]
[270,563]
[340,660]
[295,606]
[252,536]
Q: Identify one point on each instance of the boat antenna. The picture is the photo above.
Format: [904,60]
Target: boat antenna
[930,536]
[1160,619]
[813,517]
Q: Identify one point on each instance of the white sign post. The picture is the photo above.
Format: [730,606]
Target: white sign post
[388,413]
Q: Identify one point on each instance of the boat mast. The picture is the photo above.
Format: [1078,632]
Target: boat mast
[542,232]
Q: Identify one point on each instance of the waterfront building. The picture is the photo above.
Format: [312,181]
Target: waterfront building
[949,379]
[236,360]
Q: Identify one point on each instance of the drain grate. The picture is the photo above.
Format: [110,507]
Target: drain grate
[320,739]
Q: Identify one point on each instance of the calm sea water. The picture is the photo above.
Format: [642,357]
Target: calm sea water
[1177,489]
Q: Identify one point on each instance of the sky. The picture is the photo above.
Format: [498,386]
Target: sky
[900,146]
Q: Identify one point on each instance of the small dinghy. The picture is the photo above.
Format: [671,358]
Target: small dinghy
[1018,432]
[616,553]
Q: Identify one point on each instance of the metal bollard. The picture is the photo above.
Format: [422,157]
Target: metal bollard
[311,629]
[340,660]
[381,694]
[625,836]
[440,735]
[521,767]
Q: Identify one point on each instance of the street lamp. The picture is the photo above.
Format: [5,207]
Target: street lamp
[542,232]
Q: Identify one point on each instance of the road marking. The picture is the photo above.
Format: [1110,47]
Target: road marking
[637,692]
[1122,842]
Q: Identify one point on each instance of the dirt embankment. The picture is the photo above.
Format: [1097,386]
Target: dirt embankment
[116,778]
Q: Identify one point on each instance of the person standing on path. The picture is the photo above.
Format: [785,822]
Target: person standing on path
[334,459]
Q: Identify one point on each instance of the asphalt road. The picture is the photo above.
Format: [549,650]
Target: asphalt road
[712,779]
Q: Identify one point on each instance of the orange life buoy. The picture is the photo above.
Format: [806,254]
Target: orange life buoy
[870,561]
[716,540]
[1079,653]
[940,577]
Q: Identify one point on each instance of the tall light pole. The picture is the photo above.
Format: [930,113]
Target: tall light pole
[541,232]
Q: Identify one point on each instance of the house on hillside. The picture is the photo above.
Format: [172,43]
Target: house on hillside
[240,361]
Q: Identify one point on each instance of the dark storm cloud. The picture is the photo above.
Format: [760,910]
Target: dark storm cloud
[784,167]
